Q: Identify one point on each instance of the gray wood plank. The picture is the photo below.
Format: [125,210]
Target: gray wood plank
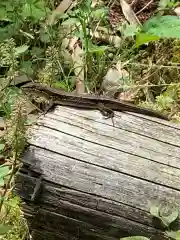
[116,139]
[96,180]
[99,181]
[55,195]
[97,226]
[105,157]
[98,116]
[132,123]
[45,235]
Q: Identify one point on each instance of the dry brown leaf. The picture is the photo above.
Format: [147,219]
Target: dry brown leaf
[129,13]
[3,213]
[128,96]
[80,88]
[65,43]
[72,43]
[61,8]
[94,3]
[67,57]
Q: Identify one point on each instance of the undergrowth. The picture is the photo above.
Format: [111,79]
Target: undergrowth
[58,48]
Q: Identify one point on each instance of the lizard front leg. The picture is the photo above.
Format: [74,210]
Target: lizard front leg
[106,112]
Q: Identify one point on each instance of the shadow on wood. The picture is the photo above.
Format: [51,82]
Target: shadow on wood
[98,181]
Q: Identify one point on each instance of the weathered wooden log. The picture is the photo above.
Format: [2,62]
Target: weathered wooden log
[98,181]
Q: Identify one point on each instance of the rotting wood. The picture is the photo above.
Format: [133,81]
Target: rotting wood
[72,217]
[61,196]
[98,180]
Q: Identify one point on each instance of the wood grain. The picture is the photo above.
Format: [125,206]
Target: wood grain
[99,181]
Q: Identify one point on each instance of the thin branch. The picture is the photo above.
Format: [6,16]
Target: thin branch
[144,7]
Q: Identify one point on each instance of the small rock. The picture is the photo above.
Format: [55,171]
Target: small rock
[20,80]
[114,79]
[177,11]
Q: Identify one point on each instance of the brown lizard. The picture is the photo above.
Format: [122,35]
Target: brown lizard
[105,105]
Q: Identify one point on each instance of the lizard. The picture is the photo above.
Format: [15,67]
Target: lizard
[106,106]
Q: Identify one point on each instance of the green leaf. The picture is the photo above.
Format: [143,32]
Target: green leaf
[3,13]
[174,235]
[38,52]
[30,1]
[27,10]
[100,13]
[143,38]
[9,6]
[154,211]
[9,30]
[36,10]
[165,101]
[60,85]
[22,49]
[85,6]
[39,4]
[2,145]
[163,3]
[71,21]
[97,49]
[4,228]
[167,220]
[163,26]
[4,170]
[26,67]
[44,37]
[130,30]
[4,33]
[62,15]
[39,13]
[135,238]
